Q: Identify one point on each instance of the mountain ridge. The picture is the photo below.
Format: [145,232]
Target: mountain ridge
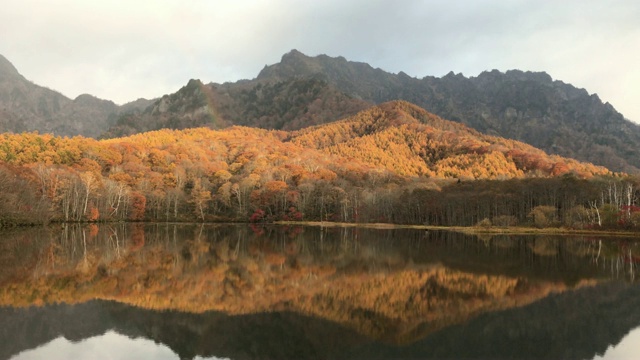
[527,106]
[7,69]
[521,105]
[408,140]
[25,106]
[301,91]
[381,165]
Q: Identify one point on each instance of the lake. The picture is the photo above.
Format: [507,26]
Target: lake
[179,291]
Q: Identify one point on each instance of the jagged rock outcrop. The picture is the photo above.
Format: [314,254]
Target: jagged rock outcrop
[527,106]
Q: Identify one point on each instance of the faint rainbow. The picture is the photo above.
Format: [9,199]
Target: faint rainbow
[211,109]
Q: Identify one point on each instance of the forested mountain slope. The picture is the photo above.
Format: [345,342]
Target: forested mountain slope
[409,141]
[339,171]
[302,91]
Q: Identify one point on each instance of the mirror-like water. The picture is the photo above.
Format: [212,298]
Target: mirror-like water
[242,292]
[109,345]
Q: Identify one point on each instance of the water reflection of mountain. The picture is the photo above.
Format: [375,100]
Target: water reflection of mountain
[396,286]
[573,325]
[264,336]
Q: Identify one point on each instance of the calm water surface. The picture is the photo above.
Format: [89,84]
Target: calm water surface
[175,291]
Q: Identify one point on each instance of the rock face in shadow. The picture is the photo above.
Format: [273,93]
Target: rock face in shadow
[287,104]
[25,106]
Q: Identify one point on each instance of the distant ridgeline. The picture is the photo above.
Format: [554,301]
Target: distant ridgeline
[302,91]
[390,163]
[25,106]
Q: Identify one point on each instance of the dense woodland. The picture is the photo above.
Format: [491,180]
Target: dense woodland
[392,163]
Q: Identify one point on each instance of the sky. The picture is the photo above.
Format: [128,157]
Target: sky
[124,50]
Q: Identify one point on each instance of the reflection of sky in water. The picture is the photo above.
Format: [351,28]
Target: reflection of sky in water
[628,348]
[109,346]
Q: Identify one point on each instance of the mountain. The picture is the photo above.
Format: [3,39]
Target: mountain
[302,91]
[287,105]
[354,78]
[189,107]
[25,106]
[526,106]
[407,140]
[398,137]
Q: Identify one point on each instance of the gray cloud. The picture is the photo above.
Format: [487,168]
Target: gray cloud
[122,50]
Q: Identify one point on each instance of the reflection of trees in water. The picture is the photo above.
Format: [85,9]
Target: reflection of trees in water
[546,256]
[396,284]
[238,267]
[83,248]
[392,284]
[619,257]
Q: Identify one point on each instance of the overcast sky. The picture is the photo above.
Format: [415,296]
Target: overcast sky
[124,50]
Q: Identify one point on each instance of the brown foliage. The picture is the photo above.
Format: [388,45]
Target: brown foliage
[350,170]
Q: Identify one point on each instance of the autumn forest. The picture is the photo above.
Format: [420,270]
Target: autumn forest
[393,163]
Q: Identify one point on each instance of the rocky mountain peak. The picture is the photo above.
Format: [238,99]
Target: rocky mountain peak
[7,70]
[495,76]
[292,56]
[537,76]
[88,99]
[294,63]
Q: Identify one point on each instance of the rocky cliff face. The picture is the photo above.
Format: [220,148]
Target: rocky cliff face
[189,107]
[287,104]
[356,79]
[25,106]
[531,107]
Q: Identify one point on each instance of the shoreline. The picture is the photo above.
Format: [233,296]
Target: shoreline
[471,230]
